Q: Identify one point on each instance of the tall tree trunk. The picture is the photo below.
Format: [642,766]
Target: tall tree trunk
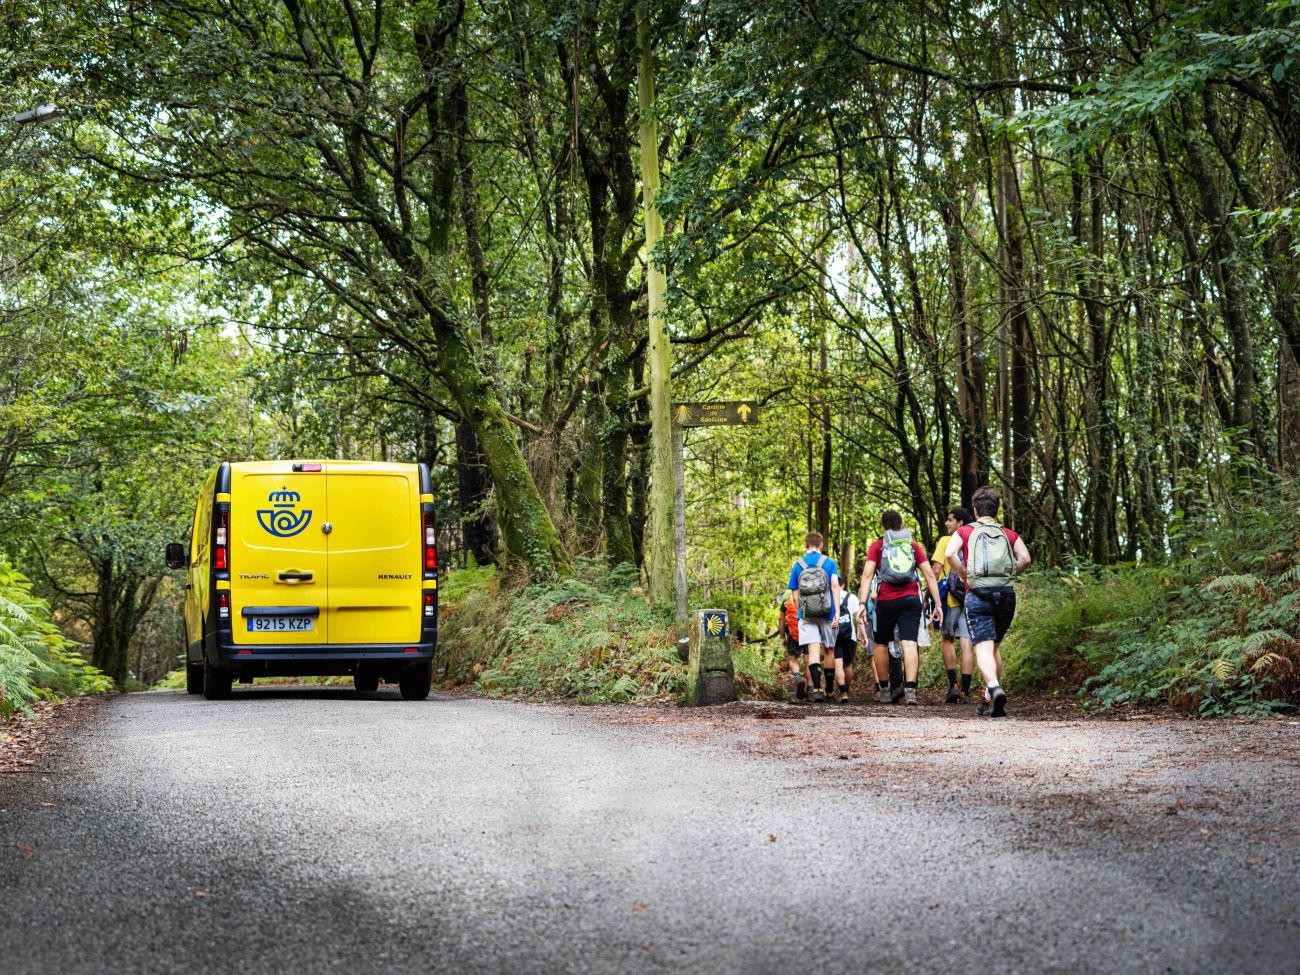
[1232,298]
[527,531]
[1288,410]
[1016,420]
[972,444]
[1100,497]
[473,490]
[823,363]
[659,534]
[590,470]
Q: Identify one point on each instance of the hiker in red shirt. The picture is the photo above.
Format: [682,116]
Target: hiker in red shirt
[988,558]
[898,602]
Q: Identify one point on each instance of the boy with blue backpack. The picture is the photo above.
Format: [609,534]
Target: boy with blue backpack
[815,582]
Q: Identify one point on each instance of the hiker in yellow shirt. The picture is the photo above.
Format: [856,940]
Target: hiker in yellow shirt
[954,620]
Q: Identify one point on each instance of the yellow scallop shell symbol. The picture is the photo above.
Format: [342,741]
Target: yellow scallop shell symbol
[713,624]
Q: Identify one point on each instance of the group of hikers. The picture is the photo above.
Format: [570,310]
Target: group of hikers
[966,585]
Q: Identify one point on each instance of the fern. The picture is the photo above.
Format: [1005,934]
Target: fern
[1267,662]
[34,663]
[1224,670]
[1245,581]
[1254,641]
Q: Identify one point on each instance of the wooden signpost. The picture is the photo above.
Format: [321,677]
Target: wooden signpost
[724,413]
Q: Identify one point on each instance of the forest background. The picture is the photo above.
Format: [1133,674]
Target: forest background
[1050,246]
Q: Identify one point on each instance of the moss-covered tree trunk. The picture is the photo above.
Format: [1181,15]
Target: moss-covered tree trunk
[527,532]
[659,534]
[122,598]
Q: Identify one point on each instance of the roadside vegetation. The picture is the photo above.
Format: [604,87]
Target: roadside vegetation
[593,638]
[1214,634]
[36,661]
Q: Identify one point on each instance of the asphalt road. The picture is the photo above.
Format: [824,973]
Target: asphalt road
[307,830]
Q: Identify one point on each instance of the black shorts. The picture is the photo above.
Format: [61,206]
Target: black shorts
[846,650]
[792,647]
[904,613]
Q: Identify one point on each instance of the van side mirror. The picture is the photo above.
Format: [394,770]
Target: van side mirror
[177,557]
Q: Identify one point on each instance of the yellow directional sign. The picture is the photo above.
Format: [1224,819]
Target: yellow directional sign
[725,413]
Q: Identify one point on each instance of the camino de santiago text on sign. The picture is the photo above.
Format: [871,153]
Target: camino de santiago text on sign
[734,412]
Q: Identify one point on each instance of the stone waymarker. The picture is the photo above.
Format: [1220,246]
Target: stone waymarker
[711,678]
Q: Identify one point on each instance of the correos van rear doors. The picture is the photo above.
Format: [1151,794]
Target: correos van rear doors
[374,553]
[279,569]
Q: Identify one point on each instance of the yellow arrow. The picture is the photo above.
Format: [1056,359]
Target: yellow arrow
[744,411]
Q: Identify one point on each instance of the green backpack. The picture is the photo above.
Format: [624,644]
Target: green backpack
[897,560]
[992,562]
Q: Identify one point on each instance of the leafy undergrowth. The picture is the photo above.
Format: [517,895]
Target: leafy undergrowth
[36,662]
[593,638]
[1217,635]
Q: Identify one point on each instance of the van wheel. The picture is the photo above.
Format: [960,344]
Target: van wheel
[193,678]
[416,681]
[216,683]
[365,683]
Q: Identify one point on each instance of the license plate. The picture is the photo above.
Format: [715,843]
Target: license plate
[280,624]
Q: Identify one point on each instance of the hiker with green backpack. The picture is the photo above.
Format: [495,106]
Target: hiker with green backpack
[815,581]
[988,557]
[896,557]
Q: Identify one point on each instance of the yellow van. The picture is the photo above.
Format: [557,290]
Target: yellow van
[311,568]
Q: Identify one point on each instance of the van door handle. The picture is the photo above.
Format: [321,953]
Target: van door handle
[295,576]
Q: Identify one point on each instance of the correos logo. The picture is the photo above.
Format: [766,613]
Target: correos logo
[283,519]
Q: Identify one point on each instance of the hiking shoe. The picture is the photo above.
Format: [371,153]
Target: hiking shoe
[882,695]
[984,706]
[844,697]
[954,695]
[896,694]
[999,706]
[963,697]
[800,690]
[817,697]
[909,695]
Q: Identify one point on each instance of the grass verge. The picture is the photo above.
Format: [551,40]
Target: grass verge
[593,638]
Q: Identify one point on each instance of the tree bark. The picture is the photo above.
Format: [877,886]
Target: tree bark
[1232,299]
[659,533]
[473,492]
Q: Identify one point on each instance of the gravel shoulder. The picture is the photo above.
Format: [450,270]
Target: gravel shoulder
[308,829]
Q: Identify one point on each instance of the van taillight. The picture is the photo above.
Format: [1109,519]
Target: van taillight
[428,604]
[223,605]
[429,531]
[221,549]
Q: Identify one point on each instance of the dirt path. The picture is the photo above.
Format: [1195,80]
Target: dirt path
[1156,774]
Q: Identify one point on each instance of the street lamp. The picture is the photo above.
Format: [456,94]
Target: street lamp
[36,116]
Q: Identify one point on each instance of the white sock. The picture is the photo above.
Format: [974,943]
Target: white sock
[992,689]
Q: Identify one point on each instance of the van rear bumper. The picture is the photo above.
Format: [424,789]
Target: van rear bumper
[322,660]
